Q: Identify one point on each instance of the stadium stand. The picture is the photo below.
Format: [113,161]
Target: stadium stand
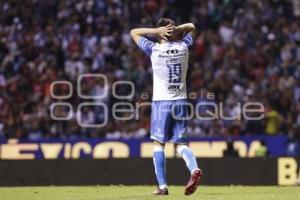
[235,56]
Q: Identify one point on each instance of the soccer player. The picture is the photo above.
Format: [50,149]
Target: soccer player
[169,58]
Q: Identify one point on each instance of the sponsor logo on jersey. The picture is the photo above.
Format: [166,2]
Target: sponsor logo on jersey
[173,88]
[172,51]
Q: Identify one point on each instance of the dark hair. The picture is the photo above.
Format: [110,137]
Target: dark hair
[164,22]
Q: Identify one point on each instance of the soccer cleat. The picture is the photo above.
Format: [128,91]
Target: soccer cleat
[193,182]
[159,191]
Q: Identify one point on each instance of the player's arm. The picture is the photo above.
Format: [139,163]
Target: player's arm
[162,32]
[185,29]
[186,32]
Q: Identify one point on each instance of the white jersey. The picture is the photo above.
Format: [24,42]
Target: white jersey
[169,64]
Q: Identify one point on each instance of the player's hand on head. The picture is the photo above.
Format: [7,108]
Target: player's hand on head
[165,31]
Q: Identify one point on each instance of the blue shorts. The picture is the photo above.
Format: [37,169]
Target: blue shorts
[169,121]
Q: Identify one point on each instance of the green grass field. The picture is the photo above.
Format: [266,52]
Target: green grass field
[144,192]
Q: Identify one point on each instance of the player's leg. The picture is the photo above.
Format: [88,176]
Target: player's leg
[179,124]
[159,161]
[179,121]
[191,163]
[188,156]
[159,128]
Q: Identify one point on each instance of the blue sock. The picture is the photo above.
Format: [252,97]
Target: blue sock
[188,157]
[159,161]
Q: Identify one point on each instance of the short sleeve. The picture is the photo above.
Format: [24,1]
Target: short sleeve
[146,45]
[188,40]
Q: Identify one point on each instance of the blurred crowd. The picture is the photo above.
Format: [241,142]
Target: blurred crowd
[245,50]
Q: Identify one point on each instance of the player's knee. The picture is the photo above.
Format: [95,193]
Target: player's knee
[158,147]
[156,143]
[181,147]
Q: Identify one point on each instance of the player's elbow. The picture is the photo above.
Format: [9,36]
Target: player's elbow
[192,26]
[133,33]
[192,29]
